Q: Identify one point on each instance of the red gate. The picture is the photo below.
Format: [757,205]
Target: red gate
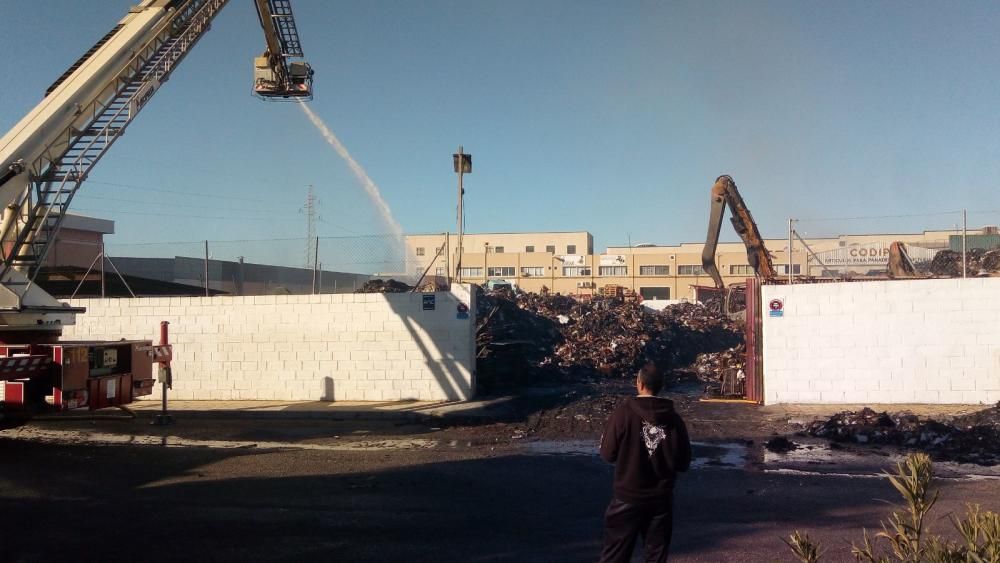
[754,363]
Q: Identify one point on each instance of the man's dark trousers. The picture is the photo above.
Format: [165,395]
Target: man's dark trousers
[624,522]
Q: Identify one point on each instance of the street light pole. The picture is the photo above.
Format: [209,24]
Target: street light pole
[463,165]
[486,257]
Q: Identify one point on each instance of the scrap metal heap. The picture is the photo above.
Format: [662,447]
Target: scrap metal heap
[529,338]
[971,438]
[948,263]
[722,372]
[383,286]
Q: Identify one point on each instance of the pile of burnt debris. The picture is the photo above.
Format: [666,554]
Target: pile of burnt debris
[977,262]
[722,372]
[383,286]
[527,338]
[971,438]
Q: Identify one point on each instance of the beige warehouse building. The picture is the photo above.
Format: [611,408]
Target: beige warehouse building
[565,262]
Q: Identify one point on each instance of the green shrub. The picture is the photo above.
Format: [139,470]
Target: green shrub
[904,536]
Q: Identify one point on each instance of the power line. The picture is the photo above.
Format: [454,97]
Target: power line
[822,219]
[187,165]
[181,192]
[147,202]
[148,243]
[150,214]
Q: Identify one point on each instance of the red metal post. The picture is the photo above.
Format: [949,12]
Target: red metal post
[166,377]
[754,369]
[164,335]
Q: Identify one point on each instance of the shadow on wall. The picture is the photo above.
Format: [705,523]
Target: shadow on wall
[444,335]
[328,394]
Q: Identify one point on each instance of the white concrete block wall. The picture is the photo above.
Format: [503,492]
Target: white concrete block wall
[919,341]
[370,347]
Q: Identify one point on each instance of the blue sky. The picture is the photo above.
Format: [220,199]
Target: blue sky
[612,117]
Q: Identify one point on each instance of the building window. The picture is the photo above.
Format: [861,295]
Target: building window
[529,248]
[472,272]
[501,271]
[613,270]
[420,251]
[576,271]
[654,270]
[498,249]
[740,270]
[550,248]
[532,271]
[796,269]
[570,249]
[439,250]
[439,272]
[654,292]
[690,270]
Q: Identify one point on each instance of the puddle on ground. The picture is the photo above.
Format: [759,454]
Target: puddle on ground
[723,455]
[562,447]
[72,437]
[816,457]
[731,455]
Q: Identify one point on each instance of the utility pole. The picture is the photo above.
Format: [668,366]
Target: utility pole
[447,259]
[463,165]
[310,210]
[790,278]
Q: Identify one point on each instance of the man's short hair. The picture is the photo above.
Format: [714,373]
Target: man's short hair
[651,378]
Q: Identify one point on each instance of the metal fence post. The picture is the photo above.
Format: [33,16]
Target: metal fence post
[965,231]
[206,269]
[315,265]
[102,267]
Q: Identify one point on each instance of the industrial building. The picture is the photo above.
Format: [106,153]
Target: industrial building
[565,262]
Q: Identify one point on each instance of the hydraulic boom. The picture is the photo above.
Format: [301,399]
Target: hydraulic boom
[724,193]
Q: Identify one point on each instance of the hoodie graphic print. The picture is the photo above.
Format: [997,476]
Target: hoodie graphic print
[652,435]
[648,443]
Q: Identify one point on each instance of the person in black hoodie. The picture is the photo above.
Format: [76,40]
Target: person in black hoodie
[648,443]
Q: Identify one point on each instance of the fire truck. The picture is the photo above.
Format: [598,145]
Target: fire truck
[46,157]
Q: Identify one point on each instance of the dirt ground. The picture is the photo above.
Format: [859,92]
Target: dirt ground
[573,414]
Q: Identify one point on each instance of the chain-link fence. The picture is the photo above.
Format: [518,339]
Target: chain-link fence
[252,267]
[861,245]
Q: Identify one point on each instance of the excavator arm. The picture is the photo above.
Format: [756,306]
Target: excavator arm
[724,193]
[900,265]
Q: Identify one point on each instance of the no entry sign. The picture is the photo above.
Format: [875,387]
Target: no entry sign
[777,308]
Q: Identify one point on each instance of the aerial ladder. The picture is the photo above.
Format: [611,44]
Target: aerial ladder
[725,193]
[46,157]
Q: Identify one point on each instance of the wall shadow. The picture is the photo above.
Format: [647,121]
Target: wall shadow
[443,364]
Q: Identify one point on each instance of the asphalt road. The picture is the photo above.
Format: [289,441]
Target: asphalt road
[88,502]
